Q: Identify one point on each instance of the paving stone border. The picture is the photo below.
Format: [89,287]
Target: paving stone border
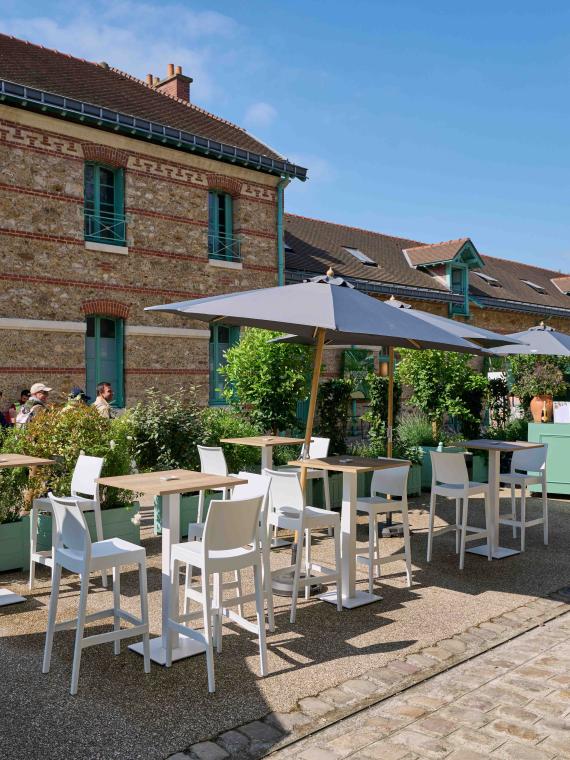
[314,713]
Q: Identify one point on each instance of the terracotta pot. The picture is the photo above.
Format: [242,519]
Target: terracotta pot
[540,404]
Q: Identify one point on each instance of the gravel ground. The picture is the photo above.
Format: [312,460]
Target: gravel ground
[121,713]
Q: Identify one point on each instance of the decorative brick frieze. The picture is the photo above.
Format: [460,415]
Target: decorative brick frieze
[105,307]
[103,154]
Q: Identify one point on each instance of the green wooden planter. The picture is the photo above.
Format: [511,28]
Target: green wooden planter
[480,468]
[426,462]
[188,511]
[15,545]
[415,480]
[315,495]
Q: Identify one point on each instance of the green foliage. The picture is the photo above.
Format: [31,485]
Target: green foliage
[377,413]
[515,430]
[166,431]
[497,398]
[266,380]
[333,410]
[443,382]
[413,430]
[63,434]
[535,375]
[282,455]
[224,423]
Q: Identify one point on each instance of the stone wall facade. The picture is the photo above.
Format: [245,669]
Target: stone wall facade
[50,275]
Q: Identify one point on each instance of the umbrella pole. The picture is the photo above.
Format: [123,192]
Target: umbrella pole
[318,360]
[389,432]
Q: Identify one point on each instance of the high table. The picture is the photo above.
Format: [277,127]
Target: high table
[350,467]
[169,485]
[266,444]
[495,448]
[18,460]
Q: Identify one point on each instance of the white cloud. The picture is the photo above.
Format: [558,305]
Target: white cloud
[260,115]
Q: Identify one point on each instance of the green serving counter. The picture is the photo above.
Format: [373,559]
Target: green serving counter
[557,436]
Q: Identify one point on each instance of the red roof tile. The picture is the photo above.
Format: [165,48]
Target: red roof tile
[435,252]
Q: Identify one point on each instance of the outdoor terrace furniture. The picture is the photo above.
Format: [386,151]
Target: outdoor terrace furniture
[318,449]
[75,552]
[257,485]
[85,490]
[451,479]
[287,510]
[266,443]
[212,461]
[385,487]
[230,542]
[528,467]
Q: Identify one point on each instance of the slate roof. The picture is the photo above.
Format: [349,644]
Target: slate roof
[312,245]
[36,66]
[435,252]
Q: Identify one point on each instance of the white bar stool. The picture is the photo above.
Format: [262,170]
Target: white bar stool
[528,467]
[450,479]
[391,482]
[75,552]
[212,461]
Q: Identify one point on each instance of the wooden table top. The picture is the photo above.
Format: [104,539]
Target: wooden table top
[170,482]
[264,440]
[21,460]
[488,444]
[350,464]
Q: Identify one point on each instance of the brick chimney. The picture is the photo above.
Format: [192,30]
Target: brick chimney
[176,83]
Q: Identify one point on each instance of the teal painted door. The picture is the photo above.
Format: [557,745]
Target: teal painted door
[222,337]
[104,356]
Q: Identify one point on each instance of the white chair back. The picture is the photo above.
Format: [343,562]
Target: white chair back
[71,528]
[231,525]
[449,469]
[392,481]
[284,490]
[319,448]
[212,460]
[85,474]
[529,460]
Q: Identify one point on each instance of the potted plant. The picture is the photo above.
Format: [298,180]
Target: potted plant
[537,379]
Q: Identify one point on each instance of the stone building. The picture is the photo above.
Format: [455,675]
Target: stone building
[116,194]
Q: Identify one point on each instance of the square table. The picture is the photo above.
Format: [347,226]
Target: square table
[169,484]
[266,444]
[495,448]
[350,467]
[18,460]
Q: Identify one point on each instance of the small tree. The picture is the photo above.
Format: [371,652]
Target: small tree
[536,375]
[377,413]
[443,382]
[333,403]
[266,380]
[498,402]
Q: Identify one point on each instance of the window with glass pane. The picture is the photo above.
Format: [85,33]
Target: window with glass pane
[104,348]
[104,204]
[221,244]
[222,337]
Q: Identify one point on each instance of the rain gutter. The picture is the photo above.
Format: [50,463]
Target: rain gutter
[281,185]
[524,306]
[91,115]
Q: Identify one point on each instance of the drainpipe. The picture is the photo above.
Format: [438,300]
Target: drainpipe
[282,184]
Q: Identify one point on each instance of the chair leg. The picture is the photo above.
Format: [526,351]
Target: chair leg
[239,590]
[260,612]
[219,596]
[116,606]
[488,528]
[79,632]
[523,518]
[465,505]
[371,551]
[457,524]
[187,584]
[327,493]
[207,612]
[266,556]
[201,501]
[430,525]
[297,573]
[99,533]
[337,563]
[166,637]
[407,545]
[545,510]
[308,565]
[514,509]
[33,544]
[144,616]
[56,579]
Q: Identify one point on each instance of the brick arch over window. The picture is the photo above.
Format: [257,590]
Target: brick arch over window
[102,154]
[105,308]
[224,184]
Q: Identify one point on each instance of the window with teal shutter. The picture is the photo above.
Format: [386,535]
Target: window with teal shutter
[459,284]
[221,243]
[104,206]
[222,337]
[104,351]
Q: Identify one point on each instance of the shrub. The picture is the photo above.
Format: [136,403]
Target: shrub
[266,380]
[413,430]
[498,402]
[225,423]
[333,409]
[377,413]
[537,376]
[166,431]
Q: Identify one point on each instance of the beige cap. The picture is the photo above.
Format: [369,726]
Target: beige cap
[37,387]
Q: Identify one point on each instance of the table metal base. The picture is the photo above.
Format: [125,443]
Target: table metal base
[500,552]
[282,585]
[186,648]
[9,597]
[278,543]
[359,599]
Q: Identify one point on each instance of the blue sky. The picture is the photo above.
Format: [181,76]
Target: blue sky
[429,120]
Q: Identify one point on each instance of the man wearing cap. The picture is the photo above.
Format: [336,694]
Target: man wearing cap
[36,404]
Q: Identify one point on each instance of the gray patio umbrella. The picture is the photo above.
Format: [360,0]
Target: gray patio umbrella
[326,309]
[541,339]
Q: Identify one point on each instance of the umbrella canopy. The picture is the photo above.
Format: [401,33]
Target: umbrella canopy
[541,339]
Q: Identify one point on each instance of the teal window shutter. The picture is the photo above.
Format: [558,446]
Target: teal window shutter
[104,204]
[222,337]
[221,242]
[104,356]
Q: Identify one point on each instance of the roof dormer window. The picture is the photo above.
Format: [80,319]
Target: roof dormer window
[492,281]
[534,286]
[362,257]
